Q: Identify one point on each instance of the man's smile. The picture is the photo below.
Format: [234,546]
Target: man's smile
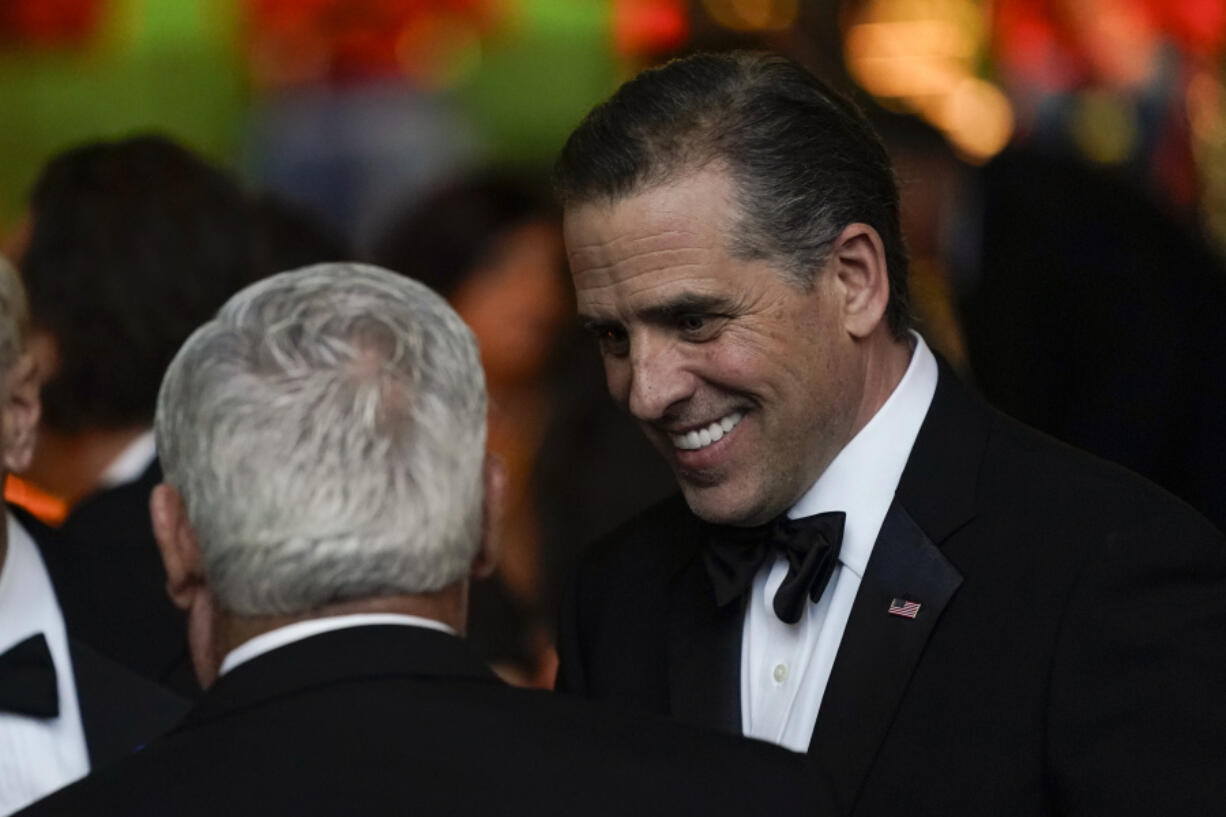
[696,439]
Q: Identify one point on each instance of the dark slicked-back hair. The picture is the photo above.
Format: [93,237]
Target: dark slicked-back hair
[134,243]
[804,160]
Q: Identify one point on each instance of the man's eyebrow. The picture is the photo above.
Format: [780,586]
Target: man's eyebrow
[667,312]
[590,323]
[686,304]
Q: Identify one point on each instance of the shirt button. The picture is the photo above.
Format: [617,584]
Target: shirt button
[781,672]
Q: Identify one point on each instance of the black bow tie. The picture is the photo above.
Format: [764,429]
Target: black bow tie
[811,545]
[27,679]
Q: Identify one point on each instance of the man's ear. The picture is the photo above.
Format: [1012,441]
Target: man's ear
[46,353]
[20,414]
[178,545]
[495,477]
[860,269]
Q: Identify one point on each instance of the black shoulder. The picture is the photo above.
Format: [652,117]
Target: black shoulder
[1036,474]
[661,537]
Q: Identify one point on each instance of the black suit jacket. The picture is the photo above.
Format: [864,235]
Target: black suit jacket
[1069,655]
[405,720]
[121,711]
[113,584]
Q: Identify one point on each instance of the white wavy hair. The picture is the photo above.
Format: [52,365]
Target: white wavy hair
[14,316]
[327,433]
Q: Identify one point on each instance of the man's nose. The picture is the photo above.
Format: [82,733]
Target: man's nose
[659,380]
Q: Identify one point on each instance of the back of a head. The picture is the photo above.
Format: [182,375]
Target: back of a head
[133,244]
[804,160]
[18,384]
[327,433]
[289,235]
[446,236]
[14,318]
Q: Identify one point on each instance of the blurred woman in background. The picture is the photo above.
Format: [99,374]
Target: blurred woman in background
[492,246]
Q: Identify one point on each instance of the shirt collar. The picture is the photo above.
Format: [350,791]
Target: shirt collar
[283,636]
[131,462]
[21,598]
[862,478]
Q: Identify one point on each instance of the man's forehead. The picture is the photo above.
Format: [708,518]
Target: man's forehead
[615,256]
[671,225]
[650,270]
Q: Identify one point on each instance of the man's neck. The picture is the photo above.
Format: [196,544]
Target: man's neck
[234,630]
[883,371]
[446,606]
[71,465]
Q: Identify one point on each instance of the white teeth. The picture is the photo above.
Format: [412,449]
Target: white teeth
[701,438]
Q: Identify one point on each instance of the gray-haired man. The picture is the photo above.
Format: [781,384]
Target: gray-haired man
[327,498]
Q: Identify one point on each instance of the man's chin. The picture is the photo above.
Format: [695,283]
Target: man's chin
[719,506]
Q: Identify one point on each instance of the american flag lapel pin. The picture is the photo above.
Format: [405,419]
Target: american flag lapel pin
[904,608]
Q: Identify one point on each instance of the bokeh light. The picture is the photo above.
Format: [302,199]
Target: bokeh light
[753,15]
[923,57]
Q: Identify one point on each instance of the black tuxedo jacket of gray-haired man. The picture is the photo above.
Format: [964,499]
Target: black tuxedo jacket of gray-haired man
[1068,657]
[121,711]
[386,719]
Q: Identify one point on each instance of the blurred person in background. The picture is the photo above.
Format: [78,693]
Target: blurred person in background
[64,708]
[1094,315]
[131,245]
[492,246]
[328,497]
[1090,293]
[289,235]
[491,243]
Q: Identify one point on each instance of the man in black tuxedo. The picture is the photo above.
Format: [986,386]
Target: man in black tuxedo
[326,499]
[132,244]
[951,613]
[64,708]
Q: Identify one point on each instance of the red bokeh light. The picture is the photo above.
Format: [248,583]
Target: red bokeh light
[343,40]
[49,23]
[649,26]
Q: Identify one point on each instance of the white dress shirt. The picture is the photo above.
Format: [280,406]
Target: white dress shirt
[785,667]
[283,636]
[37,755]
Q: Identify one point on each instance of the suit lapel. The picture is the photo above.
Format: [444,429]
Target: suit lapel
[879,652]
[120,710]
[704,653]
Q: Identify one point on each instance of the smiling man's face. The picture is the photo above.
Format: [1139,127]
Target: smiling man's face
[747,384]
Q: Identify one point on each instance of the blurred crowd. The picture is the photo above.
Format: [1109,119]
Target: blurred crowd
[1070,298]
[128,245]
[1070,295]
